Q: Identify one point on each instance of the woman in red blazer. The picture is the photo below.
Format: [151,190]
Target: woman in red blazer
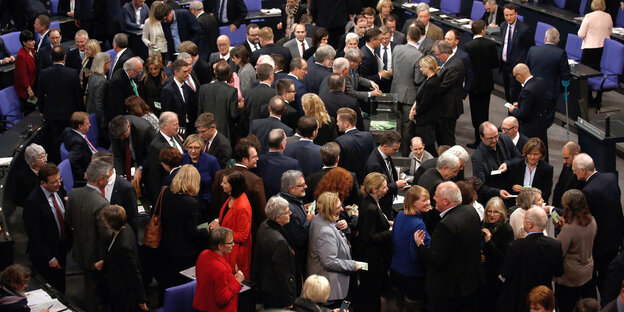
[217,285]
[25,68]
[236,215]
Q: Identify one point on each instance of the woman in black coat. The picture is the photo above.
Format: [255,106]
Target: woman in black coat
[423,112]
[533,154]
[152,82]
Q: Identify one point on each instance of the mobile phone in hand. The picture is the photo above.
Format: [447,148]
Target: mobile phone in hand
[345,306]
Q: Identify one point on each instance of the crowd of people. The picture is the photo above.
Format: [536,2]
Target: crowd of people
[255,162]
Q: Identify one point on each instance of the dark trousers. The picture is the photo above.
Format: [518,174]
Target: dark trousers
[445,131]
[479,111]
[371,285]
[567,297]
[405,127]
[466,304]
[334,35]
[56,277]
[53,134]
[428,135]
[122,302]
[92,289]
[601,268]
[592,58]
[512,87]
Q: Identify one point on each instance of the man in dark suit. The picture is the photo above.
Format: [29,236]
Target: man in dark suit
[305,151]
[210,28]
[273,164]
[186,27]
[493,15]
[452,37]
[396,36]
[567,180]
[511,127]
[530,261]
[323,58]
[202,71]
[216,144]
[549,62]
[43,55]
[132,10]
[385,51]
[298,70]
[261,94]
[451,86]
[59,97]
[333,93]
[222,53]
[228,12]
[286,89]
[447,166]
[360,25]
[380,160]
[42,27]
[269,47]
[48,237]
[220,99]
[79,147]
[261,128]
[130,137]
[82,215]
[120,45]
[332,15]
[517,39]
[531,106]
[177,96]
[603,198]
[495,148]
[371,67]
[355,145]
[121,86]
[454,258]
[482,53]
[252,43]
[74,57]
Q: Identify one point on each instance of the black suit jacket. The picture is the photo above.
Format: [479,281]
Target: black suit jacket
[79,155]
[567,181]
[484,161]
[270,49]
[468,74]
[374,239]
[454,258]
[73,60]
[355,147]
[330,14]
[124,195]
[613,282]
[314,77]
[236,11]
[531,109]
[261,128]
[188,29]
[221,148]
[202,71]
[376,163]
[179,226]
[451,86]
[122,269]
[119,88]
[550,63]
[308,155]
[521,141]
[313,180]
[542,180]
[154,173]
[427,97]
[430,179]
[482,53]
[256,98]
[208,41]
[335,100]
[530,261]
[142,134]
[270,168]
[171,100]
[59,93]
[521,41]
[500,16]
[368,68]
[126,55]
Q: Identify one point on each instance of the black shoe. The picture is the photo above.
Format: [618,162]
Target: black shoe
[472,145]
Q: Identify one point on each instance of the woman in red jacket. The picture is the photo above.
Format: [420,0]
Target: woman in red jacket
[25,69]
[217,285]
[236,215]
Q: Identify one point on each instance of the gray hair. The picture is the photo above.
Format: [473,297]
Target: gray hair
[82,33]
[443,47]
[32,152]
[132,62]
[275,206]
[584,161]
[276,138]
[340,64]
[489,2]
[353,54]
[196,5]
[99,61]
[218,236]
[460,152]
[538,216]
[165,117]
[289,179]
[417,139]
[350,36]
[323,53]
[450,191]
[422,7]
[97,169]
[266,59]
[552,35]
[121,40]
[184,56]
[448,160]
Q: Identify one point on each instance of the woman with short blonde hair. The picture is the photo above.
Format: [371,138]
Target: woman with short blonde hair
[384,7]
[207,166]
[186,181]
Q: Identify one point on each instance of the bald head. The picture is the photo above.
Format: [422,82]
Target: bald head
[569,151]
[521,72]
[223,44]
[510,127]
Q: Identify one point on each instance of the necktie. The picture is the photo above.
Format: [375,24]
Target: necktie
[189,82]
[134,88]
[103,192]
[128,161]
[59,216]
[256,47]
[91,147]
[302,47]
[222,11]
[508,51]
[173,142]
[390,169]
[385,58]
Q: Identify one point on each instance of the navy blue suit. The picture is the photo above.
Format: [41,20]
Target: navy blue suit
[334,100]
[308,155]
[261,128]
[465,58]
[188,29]
[59,93]
[316,74]
[355,147]
[130,17]
[73,60]
[521,41]
[301,90]
[270,168]
[171,100]
[369,69]
[236,11]
[531,111]
[79,155]
[270,49]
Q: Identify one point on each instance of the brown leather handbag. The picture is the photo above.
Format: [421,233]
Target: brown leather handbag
[153,231]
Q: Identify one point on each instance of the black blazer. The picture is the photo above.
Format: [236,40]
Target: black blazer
[270,168]
[154,173]
[125,196]
[141,133]
[327,132]
[376,163]
[451,87]
[334,100]
[208,41]
[256,98]
[483,57]
[330,14]
[613,282]
[368,68]
[203,70]
[119,88]
[79,155]
[261,128]
[355,147]
[532,109]
[221,148]
[521,41]
[180,235]
[567,181]
[500,16]
[73,60]
[236,11]
[542,180]
[313,180]
[270,49]
[374,240]
[121,268]
[150,90]
[483,162]
[59,93]
[454,258]
[549,62]
[188,29]
[521,141]
[427,97]
[530,262]
[126,55]
[430,180]
[314,77]
[171,100]
[308,155]
[24,184]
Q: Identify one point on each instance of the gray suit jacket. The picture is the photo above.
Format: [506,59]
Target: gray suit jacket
[220,99]
[352,86]
[329,255]
[411,170]
[82,215]
[246,76]
[398,38]
[406,72]
[96,96]
[293,46]
[426,46]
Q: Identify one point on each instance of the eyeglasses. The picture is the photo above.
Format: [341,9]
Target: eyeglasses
[507,129]
[230,243]
[285,213]
[59,181]
[494,138]
[301,185]
[514,76]
[42,158]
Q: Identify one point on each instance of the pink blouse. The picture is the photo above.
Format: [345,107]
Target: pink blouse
[596,27]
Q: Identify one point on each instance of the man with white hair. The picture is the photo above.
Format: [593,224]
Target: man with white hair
[210,27]
[454,258]
[122,85]
[323,60]
[530,261]
[603,198]
[432,31]
[166,137]
[223,53]
[446,168]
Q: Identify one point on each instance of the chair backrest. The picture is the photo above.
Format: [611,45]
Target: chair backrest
[112,55]
[55,24]
[10,105]
[11,41]
[582,7]
[66,175]
[54,7]
[540,32]
[477,10]
[237,37]
[520,18]
[253,5]
[180,298]
[450,6]
[573,47]
[64,152]
[93,132]
[619,19]
[560,3]
[612,62]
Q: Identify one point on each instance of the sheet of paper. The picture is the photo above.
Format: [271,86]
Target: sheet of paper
[398,200]
[5,161]
[495,172]
[36,297]
[363,265]
[52,305]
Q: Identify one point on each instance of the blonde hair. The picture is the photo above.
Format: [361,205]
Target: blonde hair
[314,106]
[326,205]
[414,194]
[382,3]
[155,4]
[186,181]
[429,61]
[266,33]
[192,139]
[372,181]
[598,5]
[94,45]
[527,197]
[316,288]
[497,204]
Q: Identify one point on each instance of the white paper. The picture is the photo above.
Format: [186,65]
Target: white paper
[463,20]
[5,161]
[495,172]
[508,105]
[431,10]
[244,289]
[513,196]
[398,200]
[36,297]
[52,305]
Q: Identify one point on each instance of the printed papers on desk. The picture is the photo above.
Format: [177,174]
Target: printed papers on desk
[39,300]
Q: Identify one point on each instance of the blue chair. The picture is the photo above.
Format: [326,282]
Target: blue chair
[237,37]
[11,41]
[540,32]
[619,19]
[560,3]
[66,175]
[55,24]
[64,152]
[582,7]
[451,7]
[477,10]
[611,66]
[113,54]
[93,132]
[179,298]
[54,7]
[253,5]
[573,47]
[521,18]
[10,111]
